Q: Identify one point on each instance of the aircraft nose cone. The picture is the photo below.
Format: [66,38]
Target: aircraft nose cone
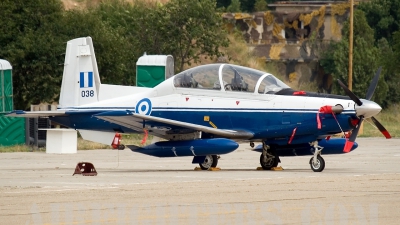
[367,109]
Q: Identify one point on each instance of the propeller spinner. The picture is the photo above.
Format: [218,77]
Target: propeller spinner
[365,109]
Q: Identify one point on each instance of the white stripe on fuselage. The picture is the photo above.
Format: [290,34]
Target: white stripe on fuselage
[165,97]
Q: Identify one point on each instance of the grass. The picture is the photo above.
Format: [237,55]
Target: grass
[389,118]
[19,148]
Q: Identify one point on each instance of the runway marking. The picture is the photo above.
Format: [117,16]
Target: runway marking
[57,190]
[88,186]
[48,182]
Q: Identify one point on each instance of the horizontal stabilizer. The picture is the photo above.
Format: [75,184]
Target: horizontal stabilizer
[35,114]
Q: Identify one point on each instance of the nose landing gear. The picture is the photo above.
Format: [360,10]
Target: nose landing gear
[317,163]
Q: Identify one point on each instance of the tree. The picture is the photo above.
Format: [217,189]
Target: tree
[390,60]
[193,29]
[234,6]
[247,5]
[185,29]
[260,5]
[36,33]
[223,3]
[383,16]
[32,47]
[365,59]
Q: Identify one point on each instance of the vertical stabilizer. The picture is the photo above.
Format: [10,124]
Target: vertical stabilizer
[81,80]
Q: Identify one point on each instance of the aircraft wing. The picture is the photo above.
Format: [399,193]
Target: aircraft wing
[34,114]
[134,120]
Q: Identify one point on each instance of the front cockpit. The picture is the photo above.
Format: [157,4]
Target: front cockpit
[233,79]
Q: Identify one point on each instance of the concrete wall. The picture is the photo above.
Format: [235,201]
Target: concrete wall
[293,35]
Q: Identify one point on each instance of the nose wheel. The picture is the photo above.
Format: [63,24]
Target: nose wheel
[317,164]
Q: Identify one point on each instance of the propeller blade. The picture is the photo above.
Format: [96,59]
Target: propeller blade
[373,84]
[350,93]
[350,142]
[381,128]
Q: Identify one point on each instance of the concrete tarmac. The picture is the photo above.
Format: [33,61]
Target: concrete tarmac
[361,187]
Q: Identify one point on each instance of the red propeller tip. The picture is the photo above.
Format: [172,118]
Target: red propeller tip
[386,134]
[348,146]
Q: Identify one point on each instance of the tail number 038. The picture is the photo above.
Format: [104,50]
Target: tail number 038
[87,93]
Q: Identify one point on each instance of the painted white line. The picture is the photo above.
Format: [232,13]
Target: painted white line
[58,190]
[63,183]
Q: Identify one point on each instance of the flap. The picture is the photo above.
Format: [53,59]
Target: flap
[130,119]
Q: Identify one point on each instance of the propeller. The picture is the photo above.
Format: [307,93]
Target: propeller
[381,128]
[350,93]
[373,84]
[350,142]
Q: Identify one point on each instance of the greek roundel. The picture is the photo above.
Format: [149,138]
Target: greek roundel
[143,107]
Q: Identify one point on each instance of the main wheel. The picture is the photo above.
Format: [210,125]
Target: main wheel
[319,165]
[271,162]
[209,161]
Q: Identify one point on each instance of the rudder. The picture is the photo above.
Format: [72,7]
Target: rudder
[81,80]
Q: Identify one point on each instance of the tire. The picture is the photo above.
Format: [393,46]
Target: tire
[209,161]
[320,165]
[272,163]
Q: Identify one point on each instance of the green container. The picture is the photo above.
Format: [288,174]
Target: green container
[153,69]
[6,92]
[12,129]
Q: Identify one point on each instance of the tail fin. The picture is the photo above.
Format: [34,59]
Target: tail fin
[81,80]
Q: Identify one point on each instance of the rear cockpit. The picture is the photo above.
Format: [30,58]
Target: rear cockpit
[234,78]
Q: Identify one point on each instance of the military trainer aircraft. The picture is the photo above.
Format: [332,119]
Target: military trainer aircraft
[202,112]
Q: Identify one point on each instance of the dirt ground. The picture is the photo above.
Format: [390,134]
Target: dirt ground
[362,187]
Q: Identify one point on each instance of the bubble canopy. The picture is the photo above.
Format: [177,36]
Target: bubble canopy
[234,78]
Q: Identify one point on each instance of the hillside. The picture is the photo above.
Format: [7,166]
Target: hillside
[82,4]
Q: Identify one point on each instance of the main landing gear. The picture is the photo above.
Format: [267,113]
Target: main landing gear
[268,158]
[317,163]
[209,161]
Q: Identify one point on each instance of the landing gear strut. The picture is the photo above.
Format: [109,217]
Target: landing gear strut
[268,158]
[317,163]
[209,161]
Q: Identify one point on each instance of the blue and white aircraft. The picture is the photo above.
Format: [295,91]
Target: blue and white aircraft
[202,112]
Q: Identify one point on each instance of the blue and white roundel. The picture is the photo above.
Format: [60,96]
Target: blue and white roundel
[143,106]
